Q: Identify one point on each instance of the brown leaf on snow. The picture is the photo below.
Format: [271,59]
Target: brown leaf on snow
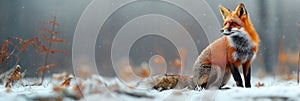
[8,90]
[60,76]
[259,84]
[131,86]
[66,83]
[44,68]
[177,93]
[58,88]
[14,75]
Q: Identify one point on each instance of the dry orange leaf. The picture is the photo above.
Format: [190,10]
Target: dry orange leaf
[131,86]
[26,43]
[43,34]
[47,30]
[59,40]
[57,88]
[54,23]
[66,83]
[46,50]
[57,32]
[44,68]
[259,84]
[60,76]
[16,74]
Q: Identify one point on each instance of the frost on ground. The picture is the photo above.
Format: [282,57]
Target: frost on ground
[98,88]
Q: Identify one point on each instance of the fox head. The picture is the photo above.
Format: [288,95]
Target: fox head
[234,21]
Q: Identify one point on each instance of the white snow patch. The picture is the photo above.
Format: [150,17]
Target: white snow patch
[272,90]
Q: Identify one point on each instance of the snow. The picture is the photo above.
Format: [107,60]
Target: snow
[272,90]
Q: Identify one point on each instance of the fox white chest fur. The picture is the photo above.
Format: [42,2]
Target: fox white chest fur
[241,41]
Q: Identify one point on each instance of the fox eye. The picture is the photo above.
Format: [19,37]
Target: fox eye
[234,24]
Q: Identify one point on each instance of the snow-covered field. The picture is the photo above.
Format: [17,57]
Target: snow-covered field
[99,89]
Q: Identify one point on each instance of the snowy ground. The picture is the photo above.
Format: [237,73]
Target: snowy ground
[95,91]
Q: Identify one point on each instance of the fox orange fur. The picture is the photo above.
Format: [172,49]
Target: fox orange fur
[236,48]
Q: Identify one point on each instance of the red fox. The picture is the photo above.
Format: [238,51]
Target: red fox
[237,48]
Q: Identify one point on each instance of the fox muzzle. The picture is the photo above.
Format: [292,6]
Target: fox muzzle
[226,32]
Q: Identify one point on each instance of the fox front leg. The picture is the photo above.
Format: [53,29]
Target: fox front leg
[236,75]
[247,75]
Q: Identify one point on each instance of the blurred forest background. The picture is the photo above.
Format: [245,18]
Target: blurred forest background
[276,21]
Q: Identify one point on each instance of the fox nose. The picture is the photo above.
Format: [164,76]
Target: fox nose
[226,32]
[222,30]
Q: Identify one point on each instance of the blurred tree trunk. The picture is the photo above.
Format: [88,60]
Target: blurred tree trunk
[265,44]
[278,31]
[270,31]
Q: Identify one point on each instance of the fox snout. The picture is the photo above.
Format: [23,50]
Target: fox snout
[227,28]
[226,32]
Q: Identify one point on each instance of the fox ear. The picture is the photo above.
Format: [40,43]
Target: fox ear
[241,10]
[224,11]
